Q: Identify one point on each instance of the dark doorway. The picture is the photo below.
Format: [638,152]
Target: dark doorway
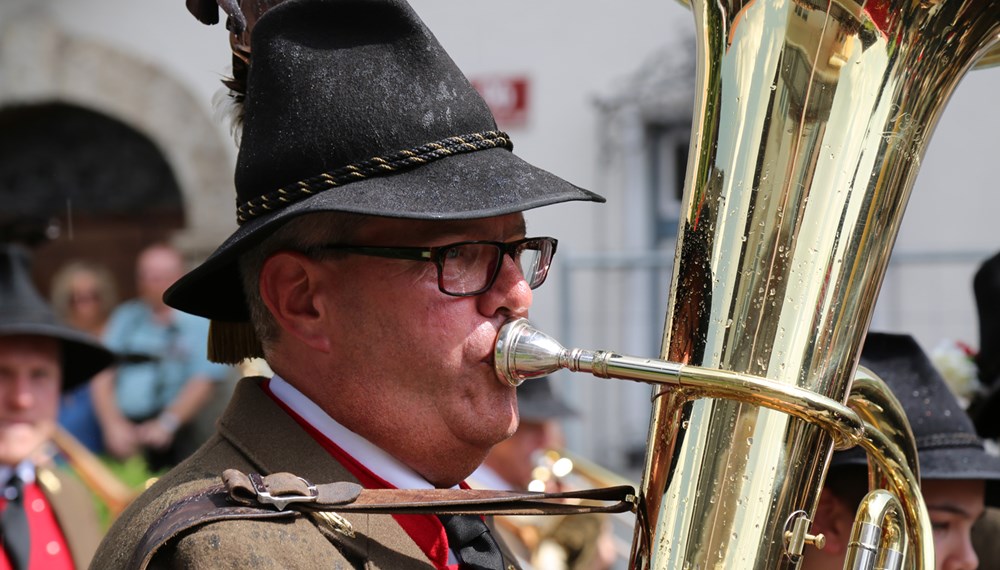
[83,186]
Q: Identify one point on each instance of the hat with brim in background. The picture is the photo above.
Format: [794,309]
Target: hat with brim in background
[354,106]
[947,445]
[23,312]
[537,402]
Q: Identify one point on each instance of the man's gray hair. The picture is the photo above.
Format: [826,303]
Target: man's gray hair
[299,234]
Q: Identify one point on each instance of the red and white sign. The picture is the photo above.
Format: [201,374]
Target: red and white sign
[507,96]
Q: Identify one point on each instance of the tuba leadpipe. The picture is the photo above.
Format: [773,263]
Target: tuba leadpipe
[874,420]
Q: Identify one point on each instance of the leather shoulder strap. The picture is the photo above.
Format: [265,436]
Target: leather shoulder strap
[283,495]
[202,507]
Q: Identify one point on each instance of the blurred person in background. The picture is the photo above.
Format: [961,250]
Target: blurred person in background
[525,462]
[83,294]
[958,477]
[985,406]
[47,518]
[149,402]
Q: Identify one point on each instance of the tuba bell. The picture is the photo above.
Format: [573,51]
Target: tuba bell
[809,128]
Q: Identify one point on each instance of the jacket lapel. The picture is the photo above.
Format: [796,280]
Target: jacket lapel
[274,442]
[71,504]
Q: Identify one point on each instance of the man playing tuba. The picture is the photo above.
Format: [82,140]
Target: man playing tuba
[381,246]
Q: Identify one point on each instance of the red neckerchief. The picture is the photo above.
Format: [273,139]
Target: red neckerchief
[425,530]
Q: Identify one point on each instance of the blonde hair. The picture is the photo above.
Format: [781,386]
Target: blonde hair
[61,293]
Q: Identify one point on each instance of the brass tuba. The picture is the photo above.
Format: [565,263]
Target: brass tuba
[808,133]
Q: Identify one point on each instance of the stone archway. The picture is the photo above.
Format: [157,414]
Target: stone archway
[42,64]
[83,186]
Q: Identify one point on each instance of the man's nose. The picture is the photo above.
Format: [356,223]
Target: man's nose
[19,393]
[510,293]
[964,557]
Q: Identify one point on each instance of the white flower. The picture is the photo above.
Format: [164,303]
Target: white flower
[955,361]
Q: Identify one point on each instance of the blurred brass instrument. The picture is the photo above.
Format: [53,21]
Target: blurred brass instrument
[580,542]
[809,128]
[569,471]
[114,493]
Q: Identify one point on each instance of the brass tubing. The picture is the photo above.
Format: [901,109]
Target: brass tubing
[876,537]
[892,453]
[877,405]
[523,352]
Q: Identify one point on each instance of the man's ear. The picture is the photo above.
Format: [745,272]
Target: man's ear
[834,519]
[290,284]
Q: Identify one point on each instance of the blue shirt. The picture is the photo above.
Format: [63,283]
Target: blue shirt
[177,352]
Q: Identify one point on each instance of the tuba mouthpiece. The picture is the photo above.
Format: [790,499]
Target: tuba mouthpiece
[524,352]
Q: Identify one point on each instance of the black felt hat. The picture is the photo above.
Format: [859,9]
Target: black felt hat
[24,312]
[947,444]
[354,106]
[536,401]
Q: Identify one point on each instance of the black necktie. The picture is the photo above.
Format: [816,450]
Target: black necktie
[14,524]
[471,539]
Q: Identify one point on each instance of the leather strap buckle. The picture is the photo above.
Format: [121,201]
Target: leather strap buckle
[282,500]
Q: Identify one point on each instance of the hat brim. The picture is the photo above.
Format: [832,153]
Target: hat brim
[82,355]
[986,413]
[439,190]
[953,463]
[551,409]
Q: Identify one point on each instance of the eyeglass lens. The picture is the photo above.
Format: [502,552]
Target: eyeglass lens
[471,267]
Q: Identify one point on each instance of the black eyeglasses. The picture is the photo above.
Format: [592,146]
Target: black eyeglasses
[468,268]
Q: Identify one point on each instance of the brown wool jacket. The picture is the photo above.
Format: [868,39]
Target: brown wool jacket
[73,506]
[254,434]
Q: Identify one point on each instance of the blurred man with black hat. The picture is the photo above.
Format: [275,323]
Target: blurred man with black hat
[511,462]
[47,519]
[985,409]
[527,461]
[958,476]
[381,246]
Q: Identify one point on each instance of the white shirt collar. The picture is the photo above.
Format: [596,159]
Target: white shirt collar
[25,470]
[385,466]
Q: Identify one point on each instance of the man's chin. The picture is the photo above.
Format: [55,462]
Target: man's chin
[20,441]
[13,454]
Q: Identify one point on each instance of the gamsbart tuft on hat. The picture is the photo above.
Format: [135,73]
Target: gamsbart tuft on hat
[947,444]
[354,106]
[23,311]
